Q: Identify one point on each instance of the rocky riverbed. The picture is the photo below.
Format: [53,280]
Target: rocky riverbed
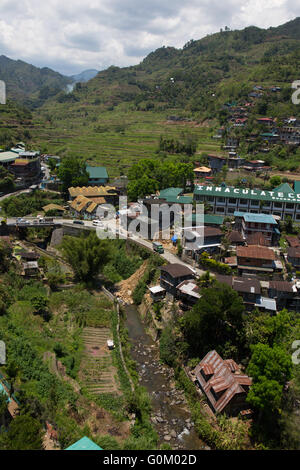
[170,414]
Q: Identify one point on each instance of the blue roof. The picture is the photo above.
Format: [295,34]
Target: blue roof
[260,218]
[84,444]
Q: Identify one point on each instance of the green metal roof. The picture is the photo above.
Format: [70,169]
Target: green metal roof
[97,171]
[7,157]
[209,219]
[180,200]
[170,192]
[84,444]
[297,186]
[246,193]
[284,188]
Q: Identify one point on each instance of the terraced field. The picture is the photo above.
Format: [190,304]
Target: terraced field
[116,139]
[97,374]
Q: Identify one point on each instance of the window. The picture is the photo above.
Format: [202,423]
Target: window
[278,205]
[230,210]
[243,202]
[221,199]
[232,201]
[298,216]
[210,198]
[220,209]
[267,204]
[290,206]
[254,203]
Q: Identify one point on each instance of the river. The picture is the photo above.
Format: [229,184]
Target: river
[170,414]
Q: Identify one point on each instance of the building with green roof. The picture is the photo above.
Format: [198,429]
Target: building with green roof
[97,175]
[170,192]
[282,201]
[84,444]
[208,219]
[297,186]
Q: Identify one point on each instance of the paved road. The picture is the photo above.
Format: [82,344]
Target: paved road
[112,225]
[16,193]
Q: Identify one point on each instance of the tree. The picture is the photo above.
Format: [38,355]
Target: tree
[216,321]
[24,433]
[3,408]
[270,369]
[72,172]
[87,255]
[275,181]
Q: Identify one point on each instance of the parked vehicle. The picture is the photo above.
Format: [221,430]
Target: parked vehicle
[79,222]
[158,247]
[98,223]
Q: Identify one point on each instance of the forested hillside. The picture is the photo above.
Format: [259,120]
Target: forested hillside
[28,84]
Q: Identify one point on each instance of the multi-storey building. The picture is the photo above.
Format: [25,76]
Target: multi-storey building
[226,200]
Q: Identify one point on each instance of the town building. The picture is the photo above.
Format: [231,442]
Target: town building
[286,295]
[225,200]
[188,292]
[109,194]
[171,275]
[222,382]
[293,256]
[200,173]
[197,240]
[26,168]
[97,175]
[248,224]
[216,162]
[256,259]
[84,444]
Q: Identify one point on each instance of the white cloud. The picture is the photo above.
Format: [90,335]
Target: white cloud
[72,35]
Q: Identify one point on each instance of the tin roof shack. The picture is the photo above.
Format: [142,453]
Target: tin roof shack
[293,256]
[199,239]
[171,275]
[157,293]
[225,387]
[255,258]
[29,256]
[31,269]
[189,293]
[286,295]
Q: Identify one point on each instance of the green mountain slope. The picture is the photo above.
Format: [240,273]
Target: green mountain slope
[28,84]
[117,117]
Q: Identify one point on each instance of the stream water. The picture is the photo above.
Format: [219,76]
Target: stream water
[170,414]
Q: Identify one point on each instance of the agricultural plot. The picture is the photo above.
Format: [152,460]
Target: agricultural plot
[97,373]
[115,139]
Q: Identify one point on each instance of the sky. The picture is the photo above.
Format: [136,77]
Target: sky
[70,36]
